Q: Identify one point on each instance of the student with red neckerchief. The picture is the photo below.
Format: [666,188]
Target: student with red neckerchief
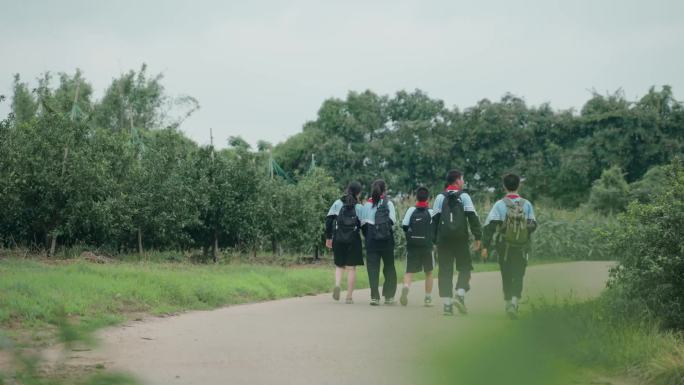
[418,227]
[508,228]
[454,215]
[377,223]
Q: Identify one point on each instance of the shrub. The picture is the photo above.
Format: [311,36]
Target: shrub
[575,234]
[610,193]
[651,184]
[649,243]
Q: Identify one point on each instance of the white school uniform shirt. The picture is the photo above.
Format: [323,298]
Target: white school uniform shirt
[465,198]
[368,213]
[499,210]
[337,206]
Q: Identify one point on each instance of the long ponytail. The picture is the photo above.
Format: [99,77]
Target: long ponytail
[378,188]
[353,190]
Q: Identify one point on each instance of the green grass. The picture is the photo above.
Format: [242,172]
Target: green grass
[35,293]
[564,343]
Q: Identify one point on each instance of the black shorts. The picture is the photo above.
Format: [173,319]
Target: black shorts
[348,254]
[418,260]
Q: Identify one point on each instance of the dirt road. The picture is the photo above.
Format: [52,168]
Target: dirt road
[313,340]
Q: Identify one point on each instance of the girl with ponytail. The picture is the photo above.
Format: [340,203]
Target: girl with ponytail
[342,235]
[377,222]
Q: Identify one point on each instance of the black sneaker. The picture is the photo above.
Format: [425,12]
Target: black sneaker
[459,301]
[404,296]
[448,309]
[427,301]
[375,302]
[336,293]
[389,301]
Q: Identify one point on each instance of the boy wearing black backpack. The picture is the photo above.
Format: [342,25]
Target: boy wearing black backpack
[342,235]
[454,214]
[417,226]
[508,227]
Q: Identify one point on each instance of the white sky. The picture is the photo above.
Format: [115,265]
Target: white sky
[260,69]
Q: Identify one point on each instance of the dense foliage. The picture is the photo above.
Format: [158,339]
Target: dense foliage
[648,242]
[118,174]
[411,139]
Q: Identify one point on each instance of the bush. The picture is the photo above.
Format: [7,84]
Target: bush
[610,193]
[649,243]
[651,184]
[575,234]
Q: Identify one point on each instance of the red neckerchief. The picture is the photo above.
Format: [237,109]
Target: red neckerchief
[422,204]
[370,200]
[452,188]
[512,196]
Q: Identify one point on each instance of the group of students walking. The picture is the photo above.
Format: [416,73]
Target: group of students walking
[446,229]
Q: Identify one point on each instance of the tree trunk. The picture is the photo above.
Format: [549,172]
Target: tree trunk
[53,243]
[274,246]
[140,246]
[214,251]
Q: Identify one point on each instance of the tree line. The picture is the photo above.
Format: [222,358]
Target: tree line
[410,139]
[117,173]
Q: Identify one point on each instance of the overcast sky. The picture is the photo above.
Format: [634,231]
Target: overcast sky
[260,69]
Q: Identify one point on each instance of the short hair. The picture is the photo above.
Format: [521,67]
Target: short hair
[422,194]
[453,175]
[511,182]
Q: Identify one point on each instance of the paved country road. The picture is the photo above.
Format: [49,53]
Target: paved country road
[313,340]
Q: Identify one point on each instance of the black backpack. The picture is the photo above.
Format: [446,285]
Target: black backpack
[452,220]
[346,224]
[383,223]
[419,234]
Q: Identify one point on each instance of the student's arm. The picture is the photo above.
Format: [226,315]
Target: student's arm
[494,219]
[330,218]
[436,214]
[407,219]
[364,220]
[392,212]
[329,221]
[488,232]
[471,214]
[531,219]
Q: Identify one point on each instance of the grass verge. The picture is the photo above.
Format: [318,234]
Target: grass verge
[564,343]
[35,293]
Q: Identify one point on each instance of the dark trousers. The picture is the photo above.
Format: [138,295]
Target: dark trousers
[448,253]
[389,287]
[513,266]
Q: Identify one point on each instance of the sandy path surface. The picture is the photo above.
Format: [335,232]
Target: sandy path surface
[314,340]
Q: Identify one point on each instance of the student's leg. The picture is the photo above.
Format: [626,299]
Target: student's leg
[408,278]
[429,282]
[504,265]
[373,262]
[389,272]
[464,266]
[445,278]
[338,275]
[351,280]
[411,266]
[518,264]
[428,265]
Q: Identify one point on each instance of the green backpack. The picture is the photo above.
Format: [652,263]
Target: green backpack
[515,232]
